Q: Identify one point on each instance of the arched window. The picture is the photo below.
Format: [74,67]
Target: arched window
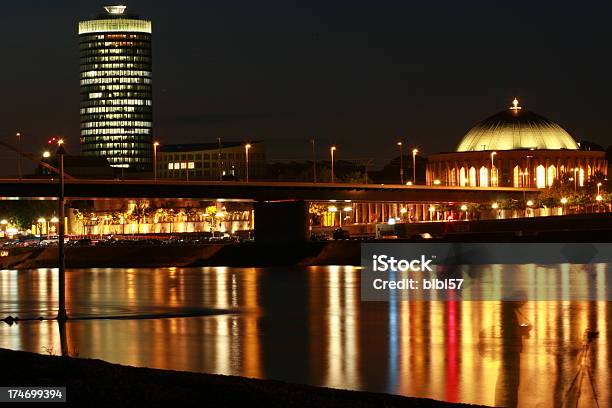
[462,177]
[484,177]
[540,177]
[551,176]
[453,177]
[473,179]
[517,173]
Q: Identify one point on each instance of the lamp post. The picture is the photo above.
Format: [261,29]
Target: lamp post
[575,178]
[61,313]
[598,187]
[331,151]
[564,202]
[155,145]
[219,160]
[19,154]
[314,161]
[414,153]
[246,157]
[401,152]
[464,208]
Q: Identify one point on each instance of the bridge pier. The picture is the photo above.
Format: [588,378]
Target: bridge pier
[281,221]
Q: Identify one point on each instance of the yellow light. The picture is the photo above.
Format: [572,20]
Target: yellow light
[4,222]
[332,148]
[46,154]
[155,144]
[437,182]
[332,208]
[347,209]
[495,206]
[41,220]
[399,143]
[599,197]
[564,200]
[432,208]
[403,210]
[464,207]
[54,219]
[60,142]
[247,146]
[529,203]
[415,151]
[409,183]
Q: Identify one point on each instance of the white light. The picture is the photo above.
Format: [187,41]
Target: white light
[391,221]
[46,155]
[54,219]
[403,210]
[115,9]
[529,203]
[332,208]
[464,207]
[347,209]
[495,206]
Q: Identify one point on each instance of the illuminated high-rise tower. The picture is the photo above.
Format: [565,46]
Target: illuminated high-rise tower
[116,89]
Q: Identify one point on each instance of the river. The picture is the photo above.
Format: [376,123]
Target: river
[308,325]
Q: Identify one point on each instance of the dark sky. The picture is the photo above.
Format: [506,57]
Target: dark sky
[360,74]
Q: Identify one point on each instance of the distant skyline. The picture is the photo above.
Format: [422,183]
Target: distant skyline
[361,75]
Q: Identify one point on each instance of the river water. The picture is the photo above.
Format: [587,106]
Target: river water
[308,325]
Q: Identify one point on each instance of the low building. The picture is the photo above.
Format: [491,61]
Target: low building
[515,148]
[212,161]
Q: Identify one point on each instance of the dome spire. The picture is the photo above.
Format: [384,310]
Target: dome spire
[515,105]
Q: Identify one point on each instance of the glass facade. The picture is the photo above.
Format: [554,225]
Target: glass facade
[116,90]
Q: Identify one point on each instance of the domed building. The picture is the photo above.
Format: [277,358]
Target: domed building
[514,148]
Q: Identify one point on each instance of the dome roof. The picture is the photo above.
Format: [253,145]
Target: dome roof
[516,128]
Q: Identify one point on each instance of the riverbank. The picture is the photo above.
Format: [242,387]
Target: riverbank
[98,383]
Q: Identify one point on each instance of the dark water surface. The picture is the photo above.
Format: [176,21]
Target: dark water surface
[308,325]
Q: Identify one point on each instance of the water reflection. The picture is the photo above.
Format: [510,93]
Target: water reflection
[308,325]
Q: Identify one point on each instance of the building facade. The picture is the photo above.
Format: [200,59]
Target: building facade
[211,161]
[116,89]
[515,148]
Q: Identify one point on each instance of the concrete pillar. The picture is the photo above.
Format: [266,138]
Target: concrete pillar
[281,221]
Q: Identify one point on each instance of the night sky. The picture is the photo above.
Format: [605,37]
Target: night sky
[360,74]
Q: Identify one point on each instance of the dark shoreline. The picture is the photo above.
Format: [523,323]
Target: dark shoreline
[99,383]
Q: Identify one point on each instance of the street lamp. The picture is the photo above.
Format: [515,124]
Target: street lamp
[314,161]
[464,208]
[46,154]
[331,151]
[401,150]
[432,209]
[437,182]
[155,145]
[598,186]
[61,312]
[19,154]
[529,204]
[246,151]
[414,153]
[575,178]
[564,202]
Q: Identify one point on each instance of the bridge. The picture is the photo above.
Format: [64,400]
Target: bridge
[81,189]
[280,208]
